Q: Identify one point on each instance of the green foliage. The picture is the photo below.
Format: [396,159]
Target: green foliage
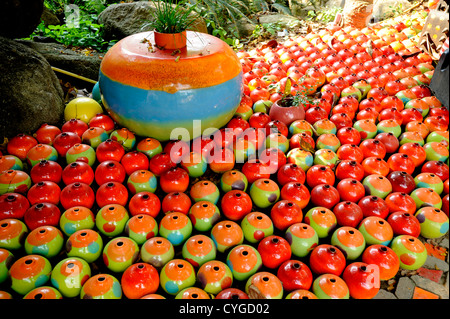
[324,15]
[88,6]
[86,35]
[223,12]
[218,31]
[266,30]
[168,18]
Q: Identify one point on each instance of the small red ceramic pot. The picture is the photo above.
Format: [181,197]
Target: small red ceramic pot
[111,193]
[139,280]
[75,126]
[348,214]
[42,214]
[295,275]
[401,182]
[144,203]
[415,152]
[161,163]
[109,150]
[350,190]
[438,168]
[276,126]
[290,172]
[103,121]
[20,144]
[78,171]
[176,202]
[373,148]
[77,194]
[44,192]
[133,161]
[375,165]
[285,213]
[46,171]
[320,174]
[273,158]
[350,152]
[349,169]
[259,120]
[236,204]
[404,223]
[175,179]
[274,251]
[348,135]
[401,162]
[390,142]
[13,205]
[374,206]
[327,259]
[254,169]
[385,258]
[297,193]
[400,202]
[109,171]
[362,280]
[62,142]
[325,195]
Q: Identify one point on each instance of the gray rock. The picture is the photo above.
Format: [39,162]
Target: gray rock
[384,294]
[405,288]
[431,286]
[73,61]
[123,19]
[384,9]
[435,263]
[283,20]
[30,91]
[49,17]
[244,27]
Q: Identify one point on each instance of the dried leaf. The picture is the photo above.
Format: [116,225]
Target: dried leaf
[271,44]
[254,293]
[306,146]
[370,47]
[287,87]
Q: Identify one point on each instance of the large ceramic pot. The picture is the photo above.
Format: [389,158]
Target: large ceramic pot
[152,91]
[285,112]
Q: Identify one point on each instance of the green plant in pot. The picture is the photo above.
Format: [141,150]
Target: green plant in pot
[170,23]
[290,107]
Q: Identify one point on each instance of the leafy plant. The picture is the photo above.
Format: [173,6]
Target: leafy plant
[87,6]
[324,15]
[223,34]
[299,99]
[266,30]
[168,18]
[223,12]
[86,35]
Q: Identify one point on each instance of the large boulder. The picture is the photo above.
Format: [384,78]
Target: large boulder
[84,64]
[385,9]
[30,92]
[19,18]
[123,19]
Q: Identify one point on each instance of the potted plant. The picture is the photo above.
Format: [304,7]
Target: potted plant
[290,107]
[170,23]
